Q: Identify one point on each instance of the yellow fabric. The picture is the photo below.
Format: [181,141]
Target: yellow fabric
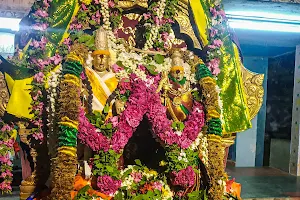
[19,103]
[200,20]
[72,77]
[96,87]
[112,83]
[14,134]
[235,113]
[21,54]
[69,124]
[10,82]
[98,90]
[73,57]
[67,119]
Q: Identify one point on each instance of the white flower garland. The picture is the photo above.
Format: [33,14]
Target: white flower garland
[106,21]
[203,149]
[155,28]
[131,60]
[53,82]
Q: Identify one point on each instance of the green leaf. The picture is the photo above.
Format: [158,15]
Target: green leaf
[181,126]
[174,125]
[138,162]
[109,168]
[92,22]
[119,196]
[152,69]
[109,126]
[119,63]
[106,108]
[159,59]
[127,173]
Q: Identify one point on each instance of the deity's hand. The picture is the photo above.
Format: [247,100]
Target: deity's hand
[163,84]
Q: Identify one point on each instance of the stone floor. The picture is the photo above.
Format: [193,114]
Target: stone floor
[257,184]
[13,196]
[266,183]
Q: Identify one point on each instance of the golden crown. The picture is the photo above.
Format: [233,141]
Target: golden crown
[177,61]
[101,42]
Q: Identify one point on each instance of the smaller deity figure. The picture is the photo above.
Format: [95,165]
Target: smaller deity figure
[177,94]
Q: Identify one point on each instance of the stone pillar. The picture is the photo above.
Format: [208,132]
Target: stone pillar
[294,164]
[246,146]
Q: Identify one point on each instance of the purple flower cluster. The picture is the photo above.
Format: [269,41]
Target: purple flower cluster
[107,185]
[215,32]
[185,177]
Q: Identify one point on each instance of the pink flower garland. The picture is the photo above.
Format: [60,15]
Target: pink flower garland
[88,135]
[215,33]
[41,66]
[6,158]
[143,101]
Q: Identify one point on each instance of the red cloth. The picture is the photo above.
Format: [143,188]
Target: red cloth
[16,147]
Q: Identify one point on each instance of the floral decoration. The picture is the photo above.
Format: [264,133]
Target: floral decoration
[7,139]
[68,114]
[216,33]
[187,144]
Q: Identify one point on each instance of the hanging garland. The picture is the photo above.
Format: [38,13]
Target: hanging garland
[143,100]
[7,139]
[214,131]
[216,32]
[69,100]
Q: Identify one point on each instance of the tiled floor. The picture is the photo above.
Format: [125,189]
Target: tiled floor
[266,183]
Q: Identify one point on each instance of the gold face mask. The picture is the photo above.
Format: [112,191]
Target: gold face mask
[101,63]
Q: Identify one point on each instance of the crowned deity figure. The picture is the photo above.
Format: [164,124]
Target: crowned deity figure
[100,76]
[177,91]
[103,83]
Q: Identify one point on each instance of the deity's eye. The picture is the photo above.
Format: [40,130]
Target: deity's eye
[177,71]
